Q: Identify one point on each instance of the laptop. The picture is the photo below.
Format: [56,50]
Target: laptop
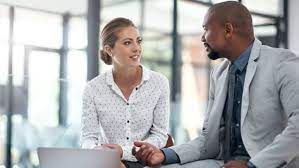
[77,158]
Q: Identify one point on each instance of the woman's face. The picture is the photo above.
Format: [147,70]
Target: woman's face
[127,48]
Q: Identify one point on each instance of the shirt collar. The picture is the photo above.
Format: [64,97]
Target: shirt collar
[242,60]
[145,76]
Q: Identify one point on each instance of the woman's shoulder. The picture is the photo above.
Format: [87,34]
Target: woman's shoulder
[154,76]
[97,82]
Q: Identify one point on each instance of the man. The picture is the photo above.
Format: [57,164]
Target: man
[252,119]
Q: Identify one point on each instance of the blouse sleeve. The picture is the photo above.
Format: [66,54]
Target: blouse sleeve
[92,133]
[158,132]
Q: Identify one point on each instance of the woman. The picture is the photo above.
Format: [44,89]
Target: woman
[127,103]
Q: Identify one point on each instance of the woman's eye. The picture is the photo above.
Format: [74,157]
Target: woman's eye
[127,43]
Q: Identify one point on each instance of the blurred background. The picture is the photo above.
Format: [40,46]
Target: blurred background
[49,48]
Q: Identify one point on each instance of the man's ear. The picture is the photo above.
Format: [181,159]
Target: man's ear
[108,49]
[229,29]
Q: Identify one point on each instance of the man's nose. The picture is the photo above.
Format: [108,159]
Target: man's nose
[203,39]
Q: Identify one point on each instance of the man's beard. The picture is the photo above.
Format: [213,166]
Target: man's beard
[213,55]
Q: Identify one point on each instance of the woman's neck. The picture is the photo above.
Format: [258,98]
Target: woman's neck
[127,76]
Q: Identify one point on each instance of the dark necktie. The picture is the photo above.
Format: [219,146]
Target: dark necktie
[229,111]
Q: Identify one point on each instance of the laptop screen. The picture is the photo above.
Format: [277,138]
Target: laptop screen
[78,158]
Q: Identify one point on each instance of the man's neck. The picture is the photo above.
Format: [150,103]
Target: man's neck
[238,49]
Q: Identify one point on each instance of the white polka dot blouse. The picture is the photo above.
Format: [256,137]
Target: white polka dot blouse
[109,118]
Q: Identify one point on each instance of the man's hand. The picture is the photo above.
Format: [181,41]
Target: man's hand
[115,147]
[148,154]
[236,164]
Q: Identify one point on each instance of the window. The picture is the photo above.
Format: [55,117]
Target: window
[38,28]
[43,88]
[77,71]
[77,33]
[270,7]
[4,22]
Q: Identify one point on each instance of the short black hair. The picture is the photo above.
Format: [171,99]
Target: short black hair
[236,14]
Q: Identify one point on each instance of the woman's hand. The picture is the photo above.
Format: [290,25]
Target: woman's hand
[115,147]
[122,165]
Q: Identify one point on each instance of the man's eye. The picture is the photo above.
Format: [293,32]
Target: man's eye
[140,41]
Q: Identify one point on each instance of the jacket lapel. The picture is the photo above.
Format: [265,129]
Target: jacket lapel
[250,72]
[222,91]
[218,105]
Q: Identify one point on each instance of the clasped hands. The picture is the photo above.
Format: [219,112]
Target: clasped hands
[152,156]
[148,154]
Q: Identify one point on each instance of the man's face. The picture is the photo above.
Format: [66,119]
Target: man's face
[213,37]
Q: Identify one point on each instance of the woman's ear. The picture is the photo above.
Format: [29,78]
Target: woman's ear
[108,49]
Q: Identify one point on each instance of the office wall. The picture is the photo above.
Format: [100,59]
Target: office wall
[294,26]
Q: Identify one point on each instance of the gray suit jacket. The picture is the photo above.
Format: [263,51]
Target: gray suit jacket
[269,114]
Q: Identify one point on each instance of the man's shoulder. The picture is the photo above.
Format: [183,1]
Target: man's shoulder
[274,53]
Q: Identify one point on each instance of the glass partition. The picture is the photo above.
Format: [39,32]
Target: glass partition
[4,22]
